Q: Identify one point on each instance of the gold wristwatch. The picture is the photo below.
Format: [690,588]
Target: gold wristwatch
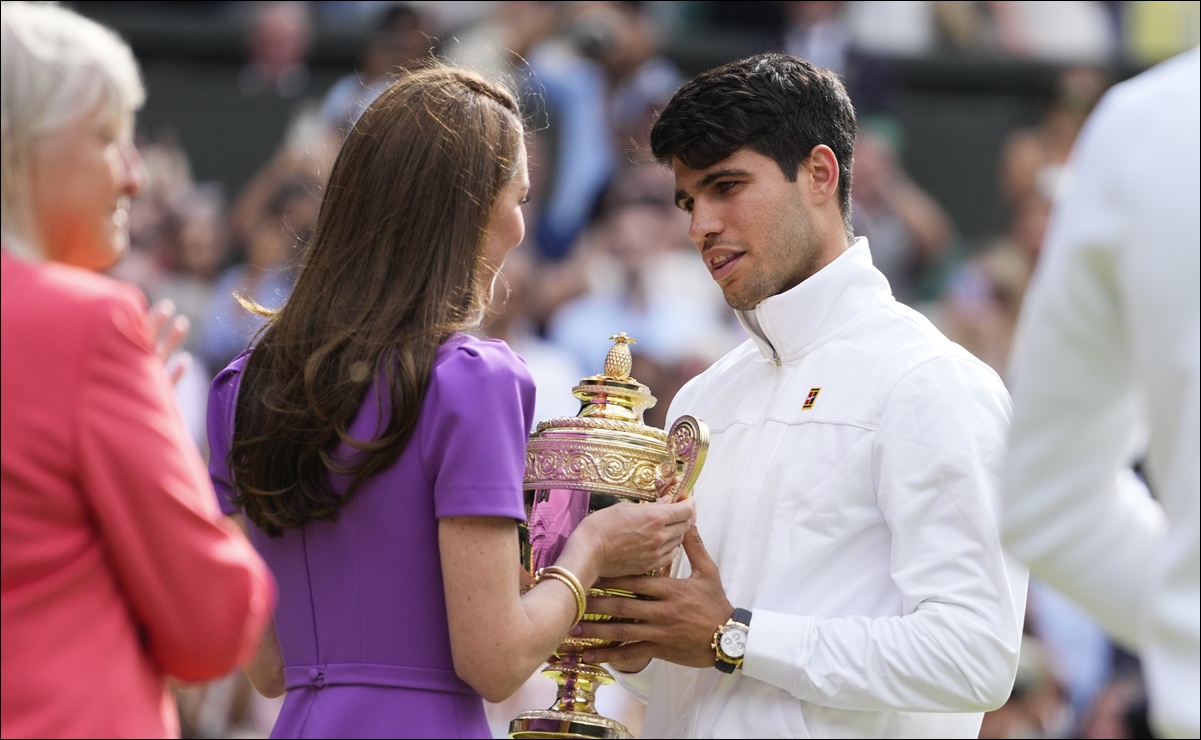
[729,641]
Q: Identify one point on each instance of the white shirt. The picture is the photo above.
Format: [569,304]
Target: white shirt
[861,532]
[1107,353]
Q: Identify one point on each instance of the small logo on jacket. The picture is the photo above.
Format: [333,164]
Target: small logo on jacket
[811,398]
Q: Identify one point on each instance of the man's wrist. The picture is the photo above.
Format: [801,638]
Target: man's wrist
[729,641]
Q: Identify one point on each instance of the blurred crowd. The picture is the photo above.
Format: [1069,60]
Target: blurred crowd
[607,251]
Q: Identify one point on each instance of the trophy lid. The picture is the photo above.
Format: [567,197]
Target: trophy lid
[613,399]
[614,394]
[606,447]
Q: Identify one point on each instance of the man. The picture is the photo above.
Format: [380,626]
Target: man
[847,505]
[1105,374]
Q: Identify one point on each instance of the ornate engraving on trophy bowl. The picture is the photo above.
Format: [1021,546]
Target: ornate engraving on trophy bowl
[575,466]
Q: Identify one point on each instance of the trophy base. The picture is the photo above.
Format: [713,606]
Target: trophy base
[549,723]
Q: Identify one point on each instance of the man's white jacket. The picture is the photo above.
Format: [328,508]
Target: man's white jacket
[850,502]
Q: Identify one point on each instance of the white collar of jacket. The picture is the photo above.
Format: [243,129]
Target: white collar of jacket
[792,323]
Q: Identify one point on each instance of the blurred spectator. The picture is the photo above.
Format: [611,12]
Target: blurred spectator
[179,238]
[626,39]
[598,69]
[1037,706]
[1081,652]
[556,371]
[881,33]
[893,29]
[277,49]
[968,28]
[1155,31]
[983,296]
[178,243]
[643,278]
[980,310]
[168,175]
[402,33]
[169,170]
[303,157]
[817,31]
[751,25]
[909,231]
[1033,158]
[500,42]
[1120,709]
[980,306]
[564,96]
[587,75]
[195,248]
[1062,32]
[228,707]
[266,276]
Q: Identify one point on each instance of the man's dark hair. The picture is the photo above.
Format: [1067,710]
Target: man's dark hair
[778,105]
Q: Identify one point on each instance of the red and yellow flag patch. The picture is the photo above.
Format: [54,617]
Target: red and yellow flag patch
[811,398]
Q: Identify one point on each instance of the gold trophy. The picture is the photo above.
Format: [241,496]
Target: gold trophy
[574,466]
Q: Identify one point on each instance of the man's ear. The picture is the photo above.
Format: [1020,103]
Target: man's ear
[822,165]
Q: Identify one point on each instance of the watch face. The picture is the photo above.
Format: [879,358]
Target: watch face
[733,642]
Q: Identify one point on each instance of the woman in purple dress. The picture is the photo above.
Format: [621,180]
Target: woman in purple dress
[375,452]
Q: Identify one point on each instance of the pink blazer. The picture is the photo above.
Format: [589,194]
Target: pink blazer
[117,570]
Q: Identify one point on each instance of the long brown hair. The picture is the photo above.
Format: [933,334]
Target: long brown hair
[393,268]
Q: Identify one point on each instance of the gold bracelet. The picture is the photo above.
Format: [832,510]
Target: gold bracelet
[567,578]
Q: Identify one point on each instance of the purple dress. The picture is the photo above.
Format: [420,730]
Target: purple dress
[361,615]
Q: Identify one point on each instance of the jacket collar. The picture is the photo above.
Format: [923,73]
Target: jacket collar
[785,326]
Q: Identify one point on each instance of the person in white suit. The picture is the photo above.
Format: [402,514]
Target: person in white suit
[1105,376]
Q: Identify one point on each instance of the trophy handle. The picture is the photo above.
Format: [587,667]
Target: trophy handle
[687,445]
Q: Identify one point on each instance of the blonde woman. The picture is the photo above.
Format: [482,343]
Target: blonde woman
[118,569]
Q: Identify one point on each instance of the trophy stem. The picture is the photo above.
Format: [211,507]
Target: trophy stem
[578,682]
[573,714]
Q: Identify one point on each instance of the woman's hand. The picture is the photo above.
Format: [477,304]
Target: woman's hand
[169,330]
[633,539]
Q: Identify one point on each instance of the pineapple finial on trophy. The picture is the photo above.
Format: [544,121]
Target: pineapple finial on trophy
[618,362]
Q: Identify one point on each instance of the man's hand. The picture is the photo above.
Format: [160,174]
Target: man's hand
[169,330]
[675,622]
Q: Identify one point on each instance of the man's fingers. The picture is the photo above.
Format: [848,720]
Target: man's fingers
[622,607]
[698,556]
[683,512]
[643,585]
[628,653]
[611,631]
